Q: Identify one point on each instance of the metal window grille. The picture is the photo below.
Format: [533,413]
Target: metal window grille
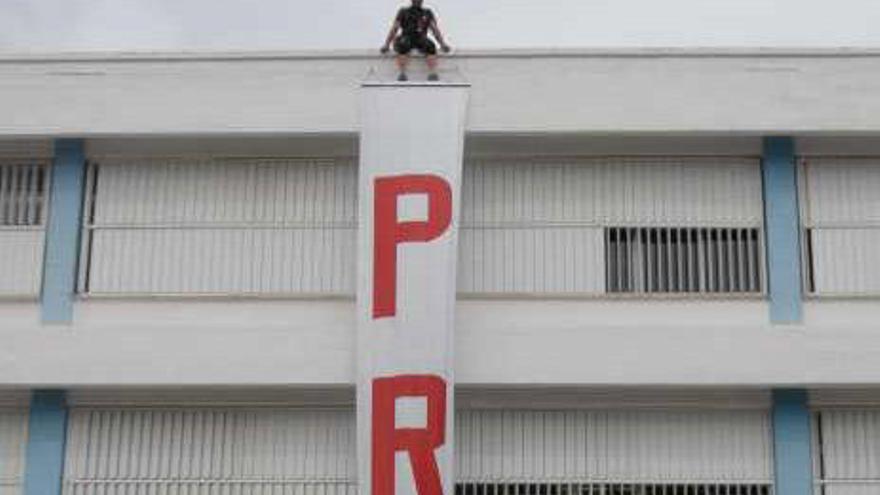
[683,260]
[614,488]
[23,186]
[846,445]
[22,194]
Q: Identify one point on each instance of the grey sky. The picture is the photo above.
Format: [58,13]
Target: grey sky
[77,25]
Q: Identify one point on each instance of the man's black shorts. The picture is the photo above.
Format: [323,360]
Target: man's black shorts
[405,44]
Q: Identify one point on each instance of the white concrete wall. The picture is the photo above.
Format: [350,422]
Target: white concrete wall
[617,91]
[505,342]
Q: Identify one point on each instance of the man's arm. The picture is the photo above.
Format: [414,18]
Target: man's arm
[435,29]
[391,35]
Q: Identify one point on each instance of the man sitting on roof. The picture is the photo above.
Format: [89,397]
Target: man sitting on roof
[413,24]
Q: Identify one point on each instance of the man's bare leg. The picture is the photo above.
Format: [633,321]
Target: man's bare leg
[432,67]
[402,61]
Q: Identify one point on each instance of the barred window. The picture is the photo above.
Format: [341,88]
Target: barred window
[613,488]
[22,190]
[538,225]
[682,259]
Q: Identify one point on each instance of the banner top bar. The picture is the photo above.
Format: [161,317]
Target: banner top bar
[415,84]
[385,75]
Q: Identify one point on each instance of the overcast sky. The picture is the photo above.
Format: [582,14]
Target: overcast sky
[106,25]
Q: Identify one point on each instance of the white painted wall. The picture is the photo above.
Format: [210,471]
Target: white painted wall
[636,91]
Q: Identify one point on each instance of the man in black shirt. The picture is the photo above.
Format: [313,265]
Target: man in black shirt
[413,23]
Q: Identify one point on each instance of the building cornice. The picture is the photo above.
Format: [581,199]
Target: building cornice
[620,52]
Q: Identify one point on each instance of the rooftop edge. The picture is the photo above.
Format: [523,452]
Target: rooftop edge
[246,55]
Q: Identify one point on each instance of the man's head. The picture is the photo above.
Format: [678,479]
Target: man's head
[416,3]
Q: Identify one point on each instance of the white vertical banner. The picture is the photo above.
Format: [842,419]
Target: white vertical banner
[411,147]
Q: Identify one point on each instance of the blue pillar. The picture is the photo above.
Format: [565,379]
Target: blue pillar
[47,434]
[782,222]
[63,231]
[791,439]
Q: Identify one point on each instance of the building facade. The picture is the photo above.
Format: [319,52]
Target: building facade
[667,273]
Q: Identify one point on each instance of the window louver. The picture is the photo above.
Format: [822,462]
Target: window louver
[681,259]
[22,189]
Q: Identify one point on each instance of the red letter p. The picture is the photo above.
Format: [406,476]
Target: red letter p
[388,232]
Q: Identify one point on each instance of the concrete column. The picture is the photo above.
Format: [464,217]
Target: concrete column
[47,434]
[63,231]
[791,442]
[782,223]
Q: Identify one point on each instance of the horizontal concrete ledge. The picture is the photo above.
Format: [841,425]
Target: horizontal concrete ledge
[583,343]
[609,52]
[482,397]
[512,93]
[834,143]
[477,145]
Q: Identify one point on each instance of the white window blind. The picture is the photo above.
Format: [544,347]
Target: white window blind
[13,439]
[840,209]
[847,451]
